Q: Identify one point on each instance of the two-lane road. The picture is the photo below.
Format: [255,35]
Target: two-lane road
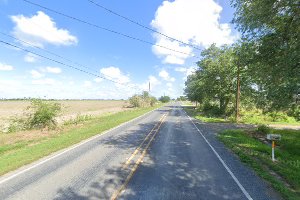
[162,155]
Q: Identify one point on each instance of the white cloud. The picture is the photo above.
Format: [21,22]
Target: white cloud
[46,81]
[30,58]
[87,84]
[169,85]
[180,69]
[5,67]
[165,75]
[40,29]
[191,21]
[186,71]
[114,73]
[36,74]
[98,80]
[53,70]
[169,56]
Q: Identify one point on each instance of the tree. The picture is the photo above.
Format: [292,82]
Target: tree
[272,29]
[164,99]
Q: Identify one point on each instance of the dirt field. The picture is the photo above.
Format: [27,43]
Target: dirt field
[71,108]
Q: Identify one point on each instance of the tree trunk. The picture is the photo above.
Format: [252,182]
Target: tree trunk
[238,93]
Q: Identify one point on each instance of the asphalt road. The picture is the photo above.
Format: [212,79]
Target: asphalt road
[162,155]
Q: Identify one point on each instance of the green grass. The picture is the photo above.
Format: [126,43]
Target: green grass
[197,115]
[249,117]
[257,155]
[16,155]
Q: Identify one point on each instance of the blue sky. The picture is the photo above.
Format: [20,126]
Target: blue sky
[132,63]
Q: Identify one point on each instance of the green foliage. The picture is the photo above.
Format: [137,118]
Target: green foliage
[135,101]
[153,101]
[43,113]
[17,124]
[143,100]
[271,29]
[181,98]
[214,82]
[263,129]
[164,99]
[78,119]
[295,112]
[257,155]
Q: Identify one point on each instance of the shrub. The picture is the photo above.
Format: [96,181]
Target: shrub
[164,99]
[43,113]
[143,100]
[153,101]
[135,101]
[210,110]
[263,129]
[17,124]
[295,112]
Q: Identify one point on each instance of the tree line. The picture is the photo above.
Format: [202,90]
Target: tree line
[261,70]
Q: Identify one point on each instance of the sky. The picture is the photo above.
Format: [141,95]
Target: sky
[95,54]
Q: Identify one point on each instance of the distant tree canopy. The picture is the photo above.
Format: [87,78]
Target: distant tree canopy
[266,60]
[181,98]
[164,99]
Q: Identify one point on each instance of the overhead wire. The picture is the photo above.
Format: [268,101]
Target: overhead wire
[141,25]
[54,54]
[64,64]
[106,29]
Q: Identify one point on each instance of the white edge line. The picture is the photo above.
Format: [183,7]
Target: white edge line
[70,148]
[222,161]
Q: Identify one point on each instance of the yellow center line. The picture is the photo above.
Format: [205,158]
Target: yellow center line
[118,192]
[140,146]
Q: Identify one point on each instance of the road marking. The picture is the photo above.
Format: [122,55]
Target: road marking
[70,148]
[222,161]
[140,146]
[133,170]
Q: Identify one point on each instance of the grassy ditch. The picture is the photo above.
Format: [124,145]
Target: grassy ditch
[252,149]
[24,151]
[247,117]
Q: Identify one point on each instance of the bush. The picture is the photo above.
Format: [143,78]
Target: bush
[210,110]
[135,101]
[263,129]
[164,99]
[153,101]
[43,113]
[295,112]
[17,124]
[143,100]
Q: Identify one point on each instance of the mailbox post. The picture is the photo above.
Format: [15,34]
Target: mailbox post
[273,138]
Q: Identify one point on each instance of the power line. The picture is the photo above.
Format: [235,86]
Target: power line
[105,29]
[141,25]
[64,64]
[54,54]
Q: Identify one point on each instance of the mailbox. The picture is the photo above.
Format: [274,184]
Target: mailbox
[274,137]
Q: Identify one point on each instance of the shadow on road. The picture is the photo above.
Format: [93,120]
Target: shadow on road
[171,169]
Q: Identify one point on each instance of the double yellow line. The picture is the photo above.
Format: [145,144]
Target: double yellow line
[153,132]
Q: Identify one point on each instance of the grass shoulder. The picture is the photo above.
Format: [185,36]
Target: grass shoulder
[18,151]
[247,118]
[252,149]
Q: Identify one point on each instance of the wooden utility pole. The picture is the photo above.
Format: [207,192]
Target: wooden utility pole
[238,93]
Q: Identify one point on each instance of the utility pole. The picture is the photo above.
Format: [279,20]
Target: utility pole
[149,87]
[238,93]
